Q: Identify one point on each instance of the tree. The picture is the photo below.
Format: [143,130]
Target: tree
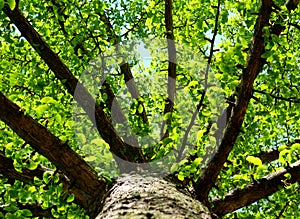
[227,140]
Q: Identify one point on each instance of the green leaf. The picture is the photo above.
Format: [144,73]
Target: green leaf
[104,96]
[193,83]
[282,156]
[49,100]
[81,138]
[32,189]
[10,208]
[295,147]
[57,117]
[90,158]
[56,178]
[140,108]
[98,141]
[281,148]
[206,113]
[197,161]
[167,141]
[71,198]
[11,4]
[46,177]
[40,110]
[167,116]
[33,166]
[181,176]
[267,54]
[1,4]
[255,160]
[45,204]
[26,212]
[54,213]
[174,167]
[288,175]
[200,134]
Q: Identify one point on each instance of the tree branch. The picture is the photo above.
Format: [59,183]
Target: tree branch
[171,87]
[195,113]
[253,67]
[133,89]
[125,69]
[257,190]
[272,154]
[289,99]
[85,100]
[266,156]
[79,173]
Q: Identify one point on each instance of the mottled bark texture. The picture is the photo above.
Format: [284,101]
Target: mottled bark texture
[142,196]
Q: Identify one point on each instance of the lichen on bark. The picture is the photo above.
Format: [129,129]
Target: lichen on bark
[145,196]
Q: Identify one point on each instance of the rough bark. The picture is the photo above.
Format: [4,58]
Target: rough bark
[143,196]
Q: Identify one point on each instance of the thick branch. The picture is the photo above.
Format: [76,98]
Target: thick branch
[257,190]
[84,99]
[253,67]
[80,174]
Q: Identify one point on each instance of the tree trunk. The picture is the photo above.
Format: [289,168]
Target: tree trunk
[142,196]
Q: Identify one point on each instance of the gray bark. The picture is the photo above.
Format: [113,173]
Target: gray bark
[141,196]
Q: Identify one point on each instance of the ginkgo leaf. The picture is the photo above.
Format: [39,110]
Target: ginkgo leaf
[90,158]
[255,160]
[11,4]
[71,198]
[40,110]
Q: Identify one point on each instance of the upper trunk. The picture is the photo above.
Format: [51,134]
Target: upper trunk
[143,196]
